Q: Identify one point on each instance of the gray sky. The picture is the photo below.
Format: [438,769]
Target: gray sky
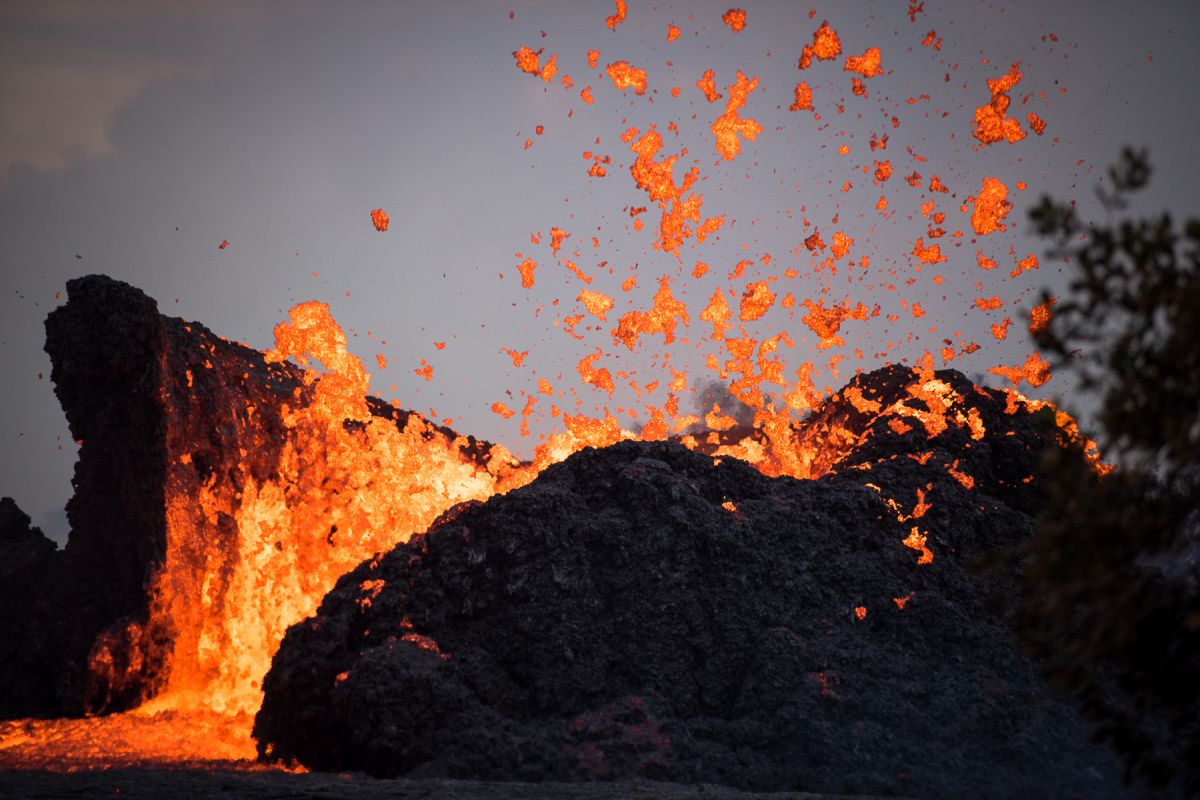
[139,135]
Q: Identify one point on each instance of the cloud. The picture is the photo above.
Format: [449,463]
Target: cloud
[66,68]
[53,114]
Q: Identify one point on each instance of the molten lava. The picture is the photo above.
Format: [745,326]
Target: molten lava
[727,127]
[825,46]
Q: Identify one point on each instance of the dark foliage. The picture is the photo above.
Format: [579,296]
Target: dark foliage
[1112,603]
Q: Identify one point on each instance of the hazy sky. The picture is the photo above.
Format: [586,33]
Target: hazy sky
[140,135]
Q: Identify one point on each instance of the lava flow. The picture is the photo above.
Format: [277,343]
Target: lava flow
[253,546]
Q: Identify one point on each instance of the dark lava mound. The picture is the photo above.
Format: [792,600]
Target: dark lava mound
[641,611]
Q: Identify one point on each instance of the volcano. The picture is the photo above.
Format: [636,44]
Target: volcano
[764,609]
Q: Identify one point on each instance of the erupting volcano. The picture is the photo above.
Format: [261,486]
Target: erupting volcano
[737,547]
[260,484]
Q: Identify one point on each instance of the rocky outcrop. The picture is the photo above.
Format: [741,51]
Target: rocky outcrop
[25,556]
[646,611]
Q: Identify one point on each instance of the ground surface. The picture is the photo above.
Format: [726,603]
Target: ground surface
[273,785]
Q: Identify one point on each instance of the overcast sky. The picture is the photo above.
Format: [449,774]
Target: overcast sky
[140,135]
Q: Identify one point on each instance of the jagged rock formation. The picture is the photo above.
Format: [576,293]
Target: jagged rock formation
[644,610]
[161,407]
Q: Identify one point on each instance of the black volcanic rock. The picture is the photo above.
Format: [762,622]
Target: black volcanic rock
[25,555]
[106,347]
[646,611]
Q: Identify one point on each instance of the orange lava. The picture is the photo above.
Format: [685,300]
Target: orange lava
[661,318]
[679,207]
[803,99]
[557,235]
[735,18]
[1036,370]
[992,123]
[825,322]
[729,125]
[1027,264]
[617,18]
[526,269]
[928,255]
[825,46]
[991,206]
[596,303]
[549,69]
[840,245]
[527,59]
[756,300]
[1040,316]
[717,312]
[868,64]
[380,219]
[916,541]
[588,373]
[707,84]
[626,76]
[144,737]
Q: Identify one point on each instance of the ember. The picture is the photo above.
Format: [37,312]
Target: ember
[992,123]
[626,76]
[380,219]
[727,127]
[825,46]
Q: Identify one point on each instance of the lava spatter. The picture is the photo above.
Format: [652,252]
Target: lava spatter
[826,45]
[727,127]
[991,206]
[992,123]
[803,98]
[626,76]
[618,17]
[868,64]
[380,219]
[735,18]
